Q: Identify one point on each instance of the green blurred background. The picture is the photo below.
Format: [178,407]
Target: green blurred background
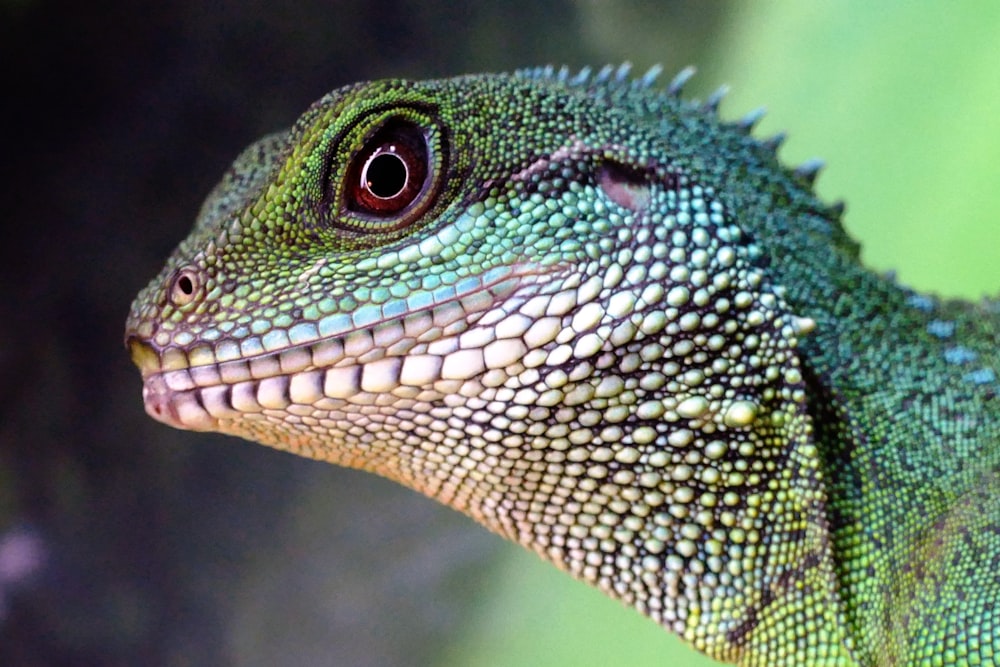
[123,542]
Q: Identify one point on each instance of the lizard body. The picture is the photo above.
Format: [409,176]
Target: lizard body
[612,328]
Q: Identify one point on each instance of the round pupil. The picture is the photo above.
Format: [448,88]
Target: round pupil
[385,174]
[387,178]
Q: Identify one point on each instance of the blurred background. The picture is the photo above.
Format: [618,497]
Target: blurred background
[123,542]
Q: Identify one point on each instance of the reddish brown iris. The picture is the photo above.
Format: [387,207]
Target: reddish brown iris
[390,173]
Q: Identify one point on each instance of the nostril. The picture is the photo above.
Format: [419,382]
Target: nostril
[184,286]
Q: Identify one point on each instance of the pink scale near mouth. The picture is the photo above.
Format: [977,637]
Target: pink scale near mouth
[180,409]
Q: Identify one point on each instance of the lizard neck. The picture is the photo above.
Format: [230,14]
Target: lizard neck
[903,395]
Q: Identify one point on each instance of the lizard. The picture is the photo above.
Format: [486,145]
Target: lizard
[612,327]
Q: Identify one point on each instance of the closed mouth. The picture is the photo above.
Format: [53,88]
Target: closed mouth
[404,356]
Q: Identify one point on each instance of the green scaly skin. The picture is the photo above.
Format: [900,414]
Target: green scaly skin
[612,328]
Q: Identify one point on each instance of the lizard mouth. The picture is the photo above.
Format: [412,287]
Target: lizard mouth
[180,409]
[405,356]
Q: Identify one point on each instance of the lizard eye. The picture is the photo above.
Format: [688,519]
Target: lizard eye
[390,176]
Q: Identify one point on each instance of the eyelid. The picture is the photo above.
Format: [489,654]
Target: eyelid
[405,127]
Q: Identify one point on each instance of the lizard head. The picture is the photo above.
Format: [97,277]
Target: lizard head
[528,297]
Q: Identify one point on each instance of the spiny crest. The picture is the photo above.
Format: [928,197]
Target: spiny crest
[613,79]
[618,80]
[808,170]
[608,77]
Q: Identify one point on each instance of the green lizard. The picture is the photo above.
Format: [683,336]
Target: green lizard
[611,327]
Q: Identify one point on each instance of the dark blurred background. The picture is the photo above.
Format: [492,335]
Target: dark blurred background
[123,542]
